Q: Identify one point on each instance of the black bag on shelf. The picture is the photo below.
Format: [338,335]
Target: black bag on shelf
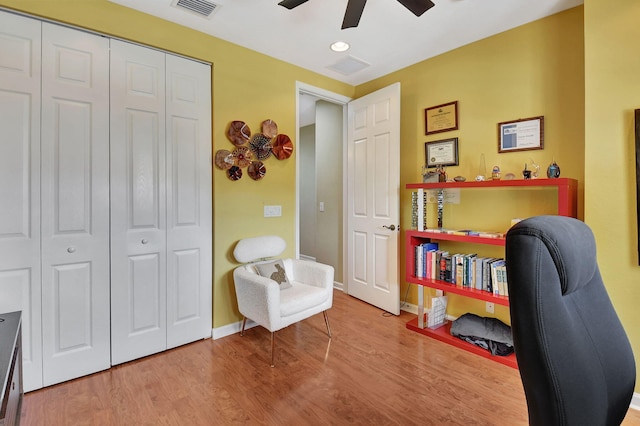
[488,333]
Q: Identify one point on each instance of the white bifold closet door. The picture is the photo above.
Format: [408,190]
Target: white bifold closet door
[54,177]
[74,203]
[160,201]
[105,198]
[20,276]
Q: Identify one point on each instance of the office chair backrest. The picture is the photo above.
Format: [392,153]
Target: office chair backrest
[575,360]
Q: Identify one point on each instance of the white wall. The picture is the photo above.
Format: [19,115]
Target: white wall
[329,140]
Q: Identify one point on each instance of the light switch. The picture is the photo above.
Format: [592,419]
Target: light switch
[272,211]
[321,207]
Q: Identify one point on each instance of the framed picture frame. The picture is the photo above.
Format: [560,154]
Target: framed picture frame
[441,118]
[521,135]
[441,153]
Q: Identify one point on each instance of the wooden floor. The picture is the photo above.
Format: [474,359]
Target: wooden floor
[373,371]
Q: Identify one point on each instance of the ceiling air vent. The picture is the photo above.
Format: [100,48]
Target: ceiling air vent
[199,7]
[349,65]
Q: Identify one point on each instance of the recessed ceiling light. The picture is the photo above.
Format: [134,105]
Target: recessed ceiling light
[340,46]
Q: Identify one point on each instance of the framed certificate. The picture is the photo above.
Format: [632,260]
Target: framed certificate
[441,153]
[521,135]
[441,118]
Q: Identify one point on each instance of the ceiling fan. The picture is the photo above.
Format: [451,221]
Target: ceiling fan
[355,8]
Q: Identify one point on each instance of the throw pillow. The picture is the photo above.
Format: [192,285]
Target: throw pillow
[275,271]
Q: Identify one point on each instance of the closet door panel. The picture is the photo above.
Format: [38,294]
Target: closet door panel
[20,271]
[75,203]
[138,204]
[189,239]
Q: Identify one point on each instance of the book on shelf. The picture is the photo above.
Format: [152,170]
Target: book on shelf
[459,263]
[478,273]
[460,232]
[503,287]
[446,274]
[495,277]
[472,271]
[491,234]
[419,261]
[469,262]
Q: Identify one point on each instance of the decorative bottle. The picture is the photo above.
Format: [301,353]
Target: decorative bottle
[553,171]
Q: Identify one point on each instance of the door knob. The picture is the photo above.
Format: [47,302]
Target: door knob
[391,228]
[71,250]
[144,241]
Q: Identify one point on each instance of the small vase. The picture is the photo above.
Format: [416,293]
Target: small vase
[482,169]
[553,171]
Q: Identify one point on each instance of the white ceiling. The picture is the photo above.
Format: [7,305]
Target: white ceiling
[388,38]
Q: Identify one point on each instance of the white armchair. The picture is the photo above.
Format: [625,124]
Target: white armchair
[305,288]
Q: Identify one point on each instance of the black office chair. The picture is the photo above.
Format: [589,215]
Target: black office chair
[575,360]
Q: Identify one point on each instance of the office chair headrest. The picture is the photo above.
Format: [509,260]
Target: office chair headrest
[571,244]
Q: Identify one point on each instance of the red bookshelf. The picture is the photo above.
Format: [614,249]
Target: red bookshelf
[567,206]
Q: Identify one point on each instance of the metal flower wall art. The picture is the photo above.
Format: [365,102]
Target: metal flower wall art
[250,151]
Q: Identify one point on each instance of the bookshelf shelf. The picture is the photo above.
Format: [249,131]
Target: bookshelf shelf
[460,238]
[567,189]
[567,206]
[443,334]
[463,291]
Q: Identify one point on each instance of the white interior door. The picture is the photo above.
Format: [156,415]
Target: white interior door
[189,232]
[20,273]
[75,203]
[138,205]
[373,184]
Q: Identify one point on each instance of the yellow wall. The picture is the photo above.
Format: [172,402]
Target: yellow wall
[536,69]
[246,86]
[612,92]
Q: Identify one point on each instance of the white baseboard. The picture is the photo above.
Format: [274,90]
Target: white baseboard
[228,330]
[309,258]
[408,307]
[635,401]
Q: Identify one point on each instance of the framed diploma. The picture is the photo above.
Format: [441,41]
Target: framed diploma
[521,135]
[441,118]
[441,153]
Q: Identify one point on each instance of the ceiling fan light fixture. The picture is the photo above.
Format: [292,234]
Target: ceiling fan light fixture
[340,46]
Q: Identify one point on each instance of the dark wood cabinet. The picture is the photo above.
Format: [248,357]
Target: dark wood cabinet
[11,368]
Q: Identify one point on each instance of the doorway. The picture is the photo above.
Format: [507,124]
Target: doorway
[320,183]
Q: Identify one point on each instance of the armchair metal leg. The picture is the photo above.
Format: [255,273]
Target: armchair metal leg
[273,345]
[326,321]
[244,322]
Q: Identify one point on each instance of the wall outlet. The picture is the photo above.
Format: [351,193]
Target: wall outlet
[490,307]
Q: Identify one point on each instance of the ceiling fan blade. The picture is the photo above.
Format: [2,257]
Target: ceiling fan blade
[290,4]
[353,13]
[417,7]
